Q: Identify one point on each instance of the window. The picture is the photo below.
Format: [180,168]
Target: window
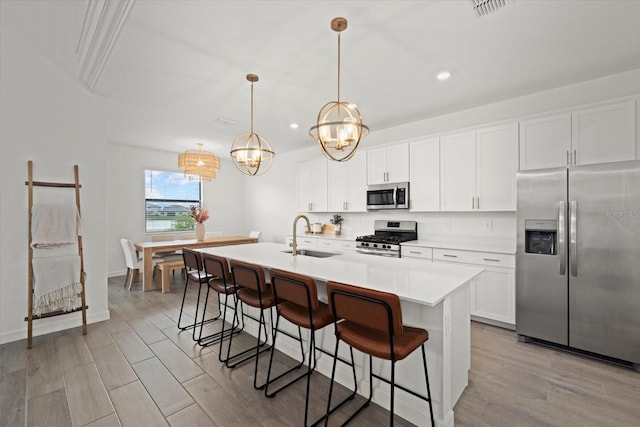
[168,198]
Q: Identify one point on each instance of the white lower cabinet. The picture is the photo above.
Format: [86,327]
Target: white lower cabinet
[493,292]
[337,244]
[303,241]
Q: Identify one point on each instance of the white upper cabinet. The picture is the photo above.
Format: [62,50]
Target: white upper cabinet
[389,164]
[594,135]
[496,166]
[545,142]
[424,175]
[312,186]
[477,169]
[347,183]
[458,172]
[604,134]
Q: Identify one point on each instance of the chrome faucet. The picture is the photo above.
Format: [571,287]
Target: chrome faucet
[294,243]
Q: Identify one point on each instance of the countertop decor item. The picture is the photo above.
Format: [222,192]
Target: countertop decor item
[250,152]
[339,126]
[200,214]
[199,164]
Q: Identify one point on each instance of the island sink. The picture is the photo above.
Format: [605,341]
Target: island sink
[315,254]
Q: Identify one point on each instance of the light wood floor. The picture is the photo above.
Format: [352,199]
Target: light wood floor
[136,370]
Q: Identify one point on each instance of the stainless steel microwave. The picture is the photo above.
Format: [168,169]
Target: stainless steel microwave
[388,196]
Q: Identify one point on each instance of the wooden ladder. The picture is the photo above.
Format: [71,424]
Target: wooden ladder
[30,316]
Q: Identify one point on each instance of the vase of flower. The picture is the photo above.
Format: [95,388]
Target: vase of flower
[200,215]
[200,231]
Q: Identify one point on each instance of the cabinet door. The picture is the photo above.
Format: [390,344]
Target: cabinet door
[312,186]
[357,184]
[424,175]
[398,163]
[457,172]
[305,187]
[337,186]
[376,166]
[319,170]
[545,142]
[493,295]
[496,163]
[604,134]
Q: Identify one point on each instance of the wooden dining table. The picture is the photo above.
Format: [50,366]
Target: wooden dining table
[149,248]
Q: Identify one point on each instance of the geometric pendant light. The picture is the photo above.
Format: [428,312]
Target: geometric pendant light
[250,152]
[339,126]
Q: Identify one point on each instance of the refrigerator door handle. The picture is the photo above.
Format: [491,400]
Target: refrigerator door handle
[562,250]
[573,238]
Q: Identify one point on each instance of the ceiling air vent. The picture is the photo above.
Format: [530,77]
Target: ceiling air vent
[485,7]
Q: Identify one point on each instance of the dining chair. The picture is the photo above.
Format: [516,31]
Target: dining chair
[133,261]
[371,321]
[169,255]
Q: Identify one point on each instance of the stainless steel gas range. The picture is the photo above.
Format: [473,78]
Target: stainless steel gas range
[387,237]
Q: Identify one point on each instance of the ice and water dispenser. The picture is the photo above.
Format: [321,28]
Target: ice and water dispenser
[540,236]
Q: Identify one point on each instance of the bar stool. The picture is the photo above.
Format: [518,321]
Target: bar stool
[221,282]
[253,290]
[297,301]
[195,274]
[373,325]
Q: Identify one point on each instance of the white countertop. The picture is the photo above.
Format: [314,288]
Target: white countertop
[412,280]
[477,244]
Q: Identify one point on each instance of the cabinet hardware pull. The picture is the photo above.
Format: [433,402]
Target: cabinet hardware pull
[568,158]
[415,252]
[478,203]
[450,256]
[491,259]
[574,158]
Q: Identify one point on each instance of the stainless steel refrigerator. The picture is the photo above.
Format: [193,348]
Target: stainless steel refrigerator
[578,258]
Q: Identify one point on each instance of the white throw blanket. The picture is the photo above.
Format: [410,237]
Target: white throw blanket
[54,225]
[56,284]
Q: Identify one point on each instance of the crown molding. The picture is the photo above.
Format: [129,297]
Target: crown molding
[103,22]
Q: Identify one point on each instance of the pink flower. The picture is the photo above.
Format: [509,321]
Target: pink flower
[200,214]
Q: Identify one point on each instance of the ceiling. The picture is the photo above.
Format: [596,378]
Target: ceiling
[176,72]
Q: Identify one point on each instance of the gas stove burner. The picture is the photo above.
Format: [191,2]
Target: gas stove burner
[387,238]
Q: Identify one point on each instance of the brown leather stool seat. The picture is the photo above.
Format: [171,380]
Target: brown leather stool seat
[195,274]
[297,301]
[253,290]
[221,282]
[372,324]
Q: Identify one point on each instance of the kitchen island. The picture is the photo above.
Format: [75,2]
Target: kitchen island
[433,296]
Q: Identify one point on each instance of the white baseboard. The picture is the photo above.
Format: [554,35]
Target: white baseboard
[54,324]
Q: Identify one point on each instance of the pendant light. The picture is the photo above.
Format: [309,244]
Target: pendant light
[199,164]
[250,152]
[339,126]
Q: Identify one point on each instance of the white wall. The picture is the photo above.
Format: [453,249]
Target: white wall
[272,199]
[49,118]
[223,197]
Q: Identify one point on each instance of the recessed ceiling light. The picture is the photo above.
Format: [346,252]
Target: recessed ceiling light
[444,75]
[293,126]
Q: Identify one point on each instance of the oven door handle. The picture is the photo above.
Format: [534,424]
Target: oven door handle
[375,252]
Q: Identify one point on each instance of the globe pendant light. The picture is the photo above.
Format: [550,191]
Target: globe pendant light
[339,126]
[250,152]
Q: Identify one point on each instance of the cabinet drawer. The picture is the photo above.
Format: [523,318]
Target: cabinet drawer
[480,258]
[416,252]
[343,245]
[309,242]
